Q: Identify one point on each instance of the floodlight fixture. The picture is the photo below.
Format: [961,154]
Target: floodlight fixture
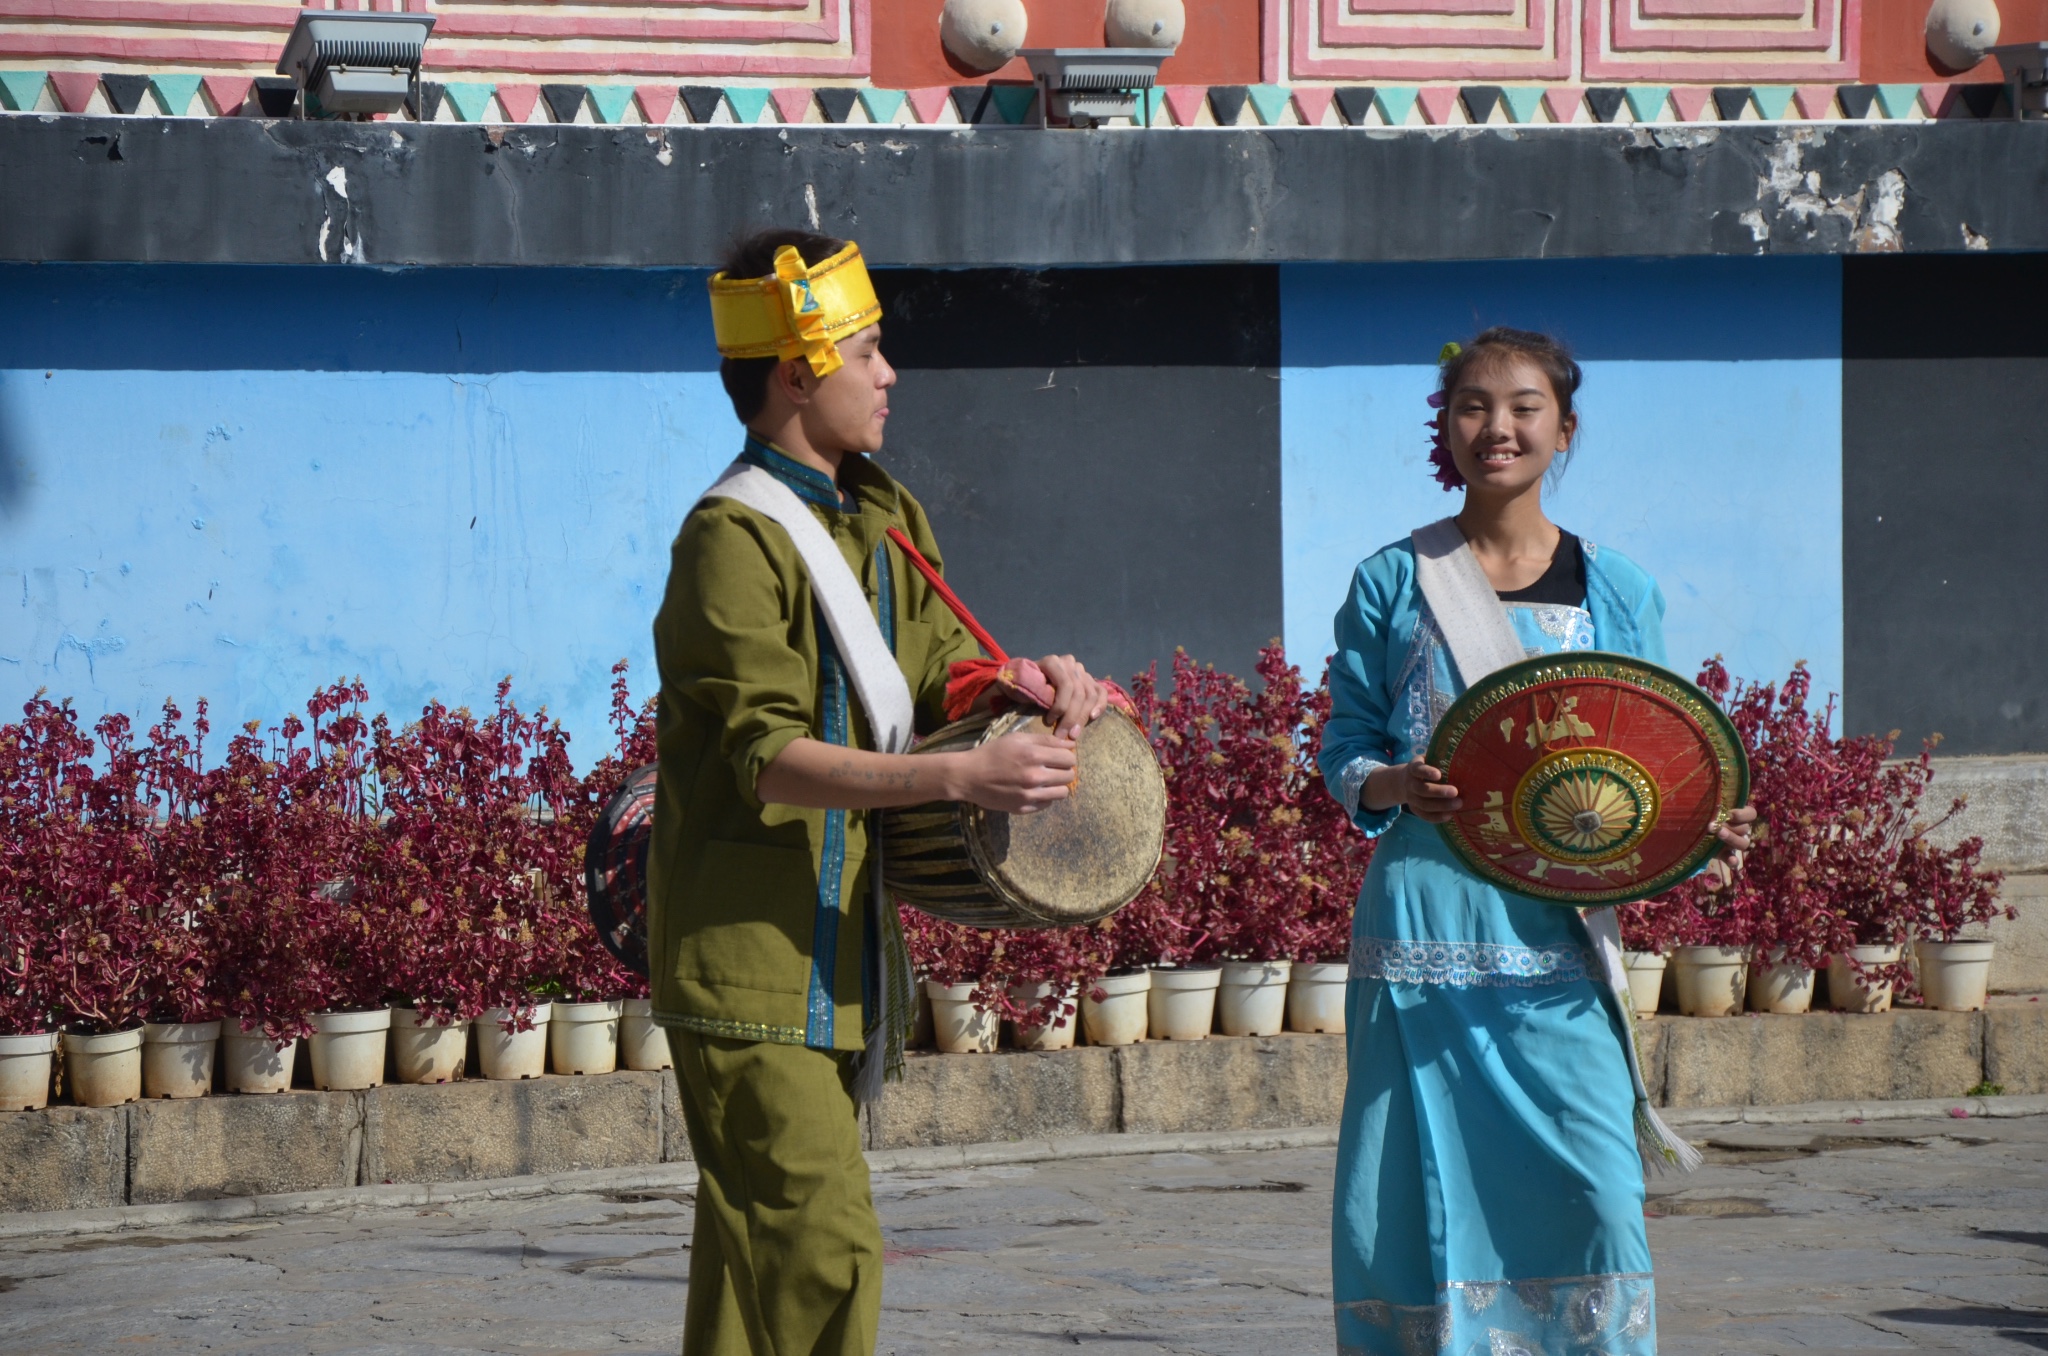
[2026,77]
[1081,86]
[354,62]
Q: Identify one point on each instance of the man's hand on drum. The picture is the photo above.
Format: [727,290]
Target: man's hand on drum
[1020,773]
[1077,696]
[1734,836]
[1416,787]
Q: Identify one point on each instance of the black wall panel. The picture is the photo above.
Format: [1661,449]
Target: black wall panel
[1945,499]
[1099,451]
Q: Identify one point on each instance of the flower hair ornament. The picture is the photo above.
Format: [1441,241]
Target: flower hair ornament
[1439,447]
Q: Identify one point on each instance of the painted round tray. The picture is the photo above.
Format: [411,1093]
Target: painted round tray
[1588,778]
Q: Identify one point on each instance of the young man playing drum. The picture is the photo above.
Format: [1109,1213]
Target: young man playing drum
[777,967]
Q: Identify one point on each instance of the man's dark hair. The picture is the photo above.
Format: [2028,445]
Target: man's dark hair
[746,379]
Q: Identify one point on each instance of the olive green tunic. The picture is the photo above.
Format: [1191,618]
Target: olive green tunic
[758,916]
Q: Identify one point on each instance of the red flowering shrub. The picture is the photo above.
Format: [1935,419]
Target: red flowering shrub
[97,934]
[1841,856]
[278,843]
[1259,861]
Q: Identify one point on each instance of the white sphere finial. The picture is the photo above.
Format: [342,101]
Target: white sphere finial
[1961,32]
[983,34]
[1144,23]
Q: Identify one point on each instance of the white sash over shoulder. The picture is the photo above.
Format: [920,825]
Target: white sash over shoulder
[883,694]
[1482,640]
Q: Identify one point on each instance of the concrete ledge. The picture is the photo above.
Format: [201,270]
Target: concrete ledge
[243,1146]
[480,1129]
[222,1152]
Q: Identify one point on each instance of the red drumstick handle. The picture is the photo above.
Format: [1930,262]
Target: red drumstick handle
[950,598]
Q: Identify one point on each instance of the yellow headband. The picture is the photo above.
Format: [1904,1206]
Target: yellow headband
[795,311]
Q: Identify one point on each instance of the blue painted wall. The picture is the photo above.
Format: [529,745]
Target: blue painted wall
[243,483]
[1710,452]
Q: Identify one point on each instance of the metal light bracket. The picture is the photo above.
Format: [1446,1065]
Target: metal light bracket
[354,62]
[2026,77]
[1081,86]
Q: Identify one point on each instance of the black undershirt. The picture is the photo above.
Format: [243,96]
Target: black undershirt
[1564,583]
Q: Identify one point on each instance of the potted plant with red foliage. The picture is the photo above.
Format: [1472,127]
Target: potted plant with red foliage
[1775,914]
[956,965]
[82,863]
[180,1040]
[293,946]
[462,869]
[1949,895]
[28,1024]
[28,1036]
[1650,930]
[1891,882]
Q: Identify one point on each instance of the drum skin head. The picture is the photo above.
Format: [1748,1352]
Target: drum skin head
[1087,856]
[1588,778]
[1073,862]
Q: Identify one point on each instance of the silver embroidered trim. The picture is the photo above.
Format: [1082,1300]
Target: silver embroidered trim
[1352,781]
[1571,627]
[1468,965]
[1533,1316]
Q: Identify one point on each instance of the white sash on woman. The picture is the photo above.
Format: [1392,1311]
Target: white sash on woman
[884,695]
[1481,639]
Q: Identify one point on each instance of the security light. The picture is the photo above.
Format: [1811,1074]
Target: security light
[354,62]
[1080,86]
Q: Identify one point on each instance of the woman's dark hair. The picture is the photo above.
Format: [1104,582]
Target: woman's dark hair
[746,379]
[1493,345]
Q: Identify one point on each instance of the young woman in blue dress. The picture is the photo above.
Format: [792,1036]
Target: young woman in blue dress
[1489,1194]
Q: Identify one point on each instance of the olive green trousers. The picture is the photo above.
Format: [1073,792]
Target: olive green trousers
[787,1255]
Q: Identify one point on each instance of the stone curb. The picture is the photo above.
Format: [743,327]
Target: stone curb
[680,1176]
[1818,1113]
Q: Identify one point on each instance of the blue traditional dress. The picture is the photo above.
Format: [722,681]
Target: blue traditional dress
[1489,1197]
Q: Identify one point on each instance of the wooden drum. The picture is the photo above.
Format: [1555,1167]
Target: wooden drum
[1075,861]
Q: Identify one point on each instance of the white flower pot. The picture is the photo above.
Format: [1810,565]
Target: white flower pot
[958,1026]
[427,1052]
[512,1054]
[583,1038]
[1252,999]
[252,1062]
[1851,992]
[1954,976]
[1645,970]
[1182,1003]
[1120,1018]
[347,1049]
[103,1070]
[1780,988]
[25,1071]
[642,1044]
[1710,979]
[1058,1036]
[177,1058]
[1315,996]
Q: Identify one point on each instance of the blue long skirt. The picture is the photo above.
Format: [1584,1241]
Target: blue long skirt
[1489,1197]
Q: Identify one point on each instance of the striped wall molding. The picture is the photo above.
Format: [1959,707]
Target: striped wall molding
[186,94]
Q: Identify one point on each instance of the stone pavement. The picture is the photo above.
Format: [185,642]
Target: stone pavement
[1900,1236]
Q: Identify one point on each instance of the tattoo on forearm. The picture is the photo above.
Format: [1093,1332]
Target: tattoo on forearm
[849,771]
